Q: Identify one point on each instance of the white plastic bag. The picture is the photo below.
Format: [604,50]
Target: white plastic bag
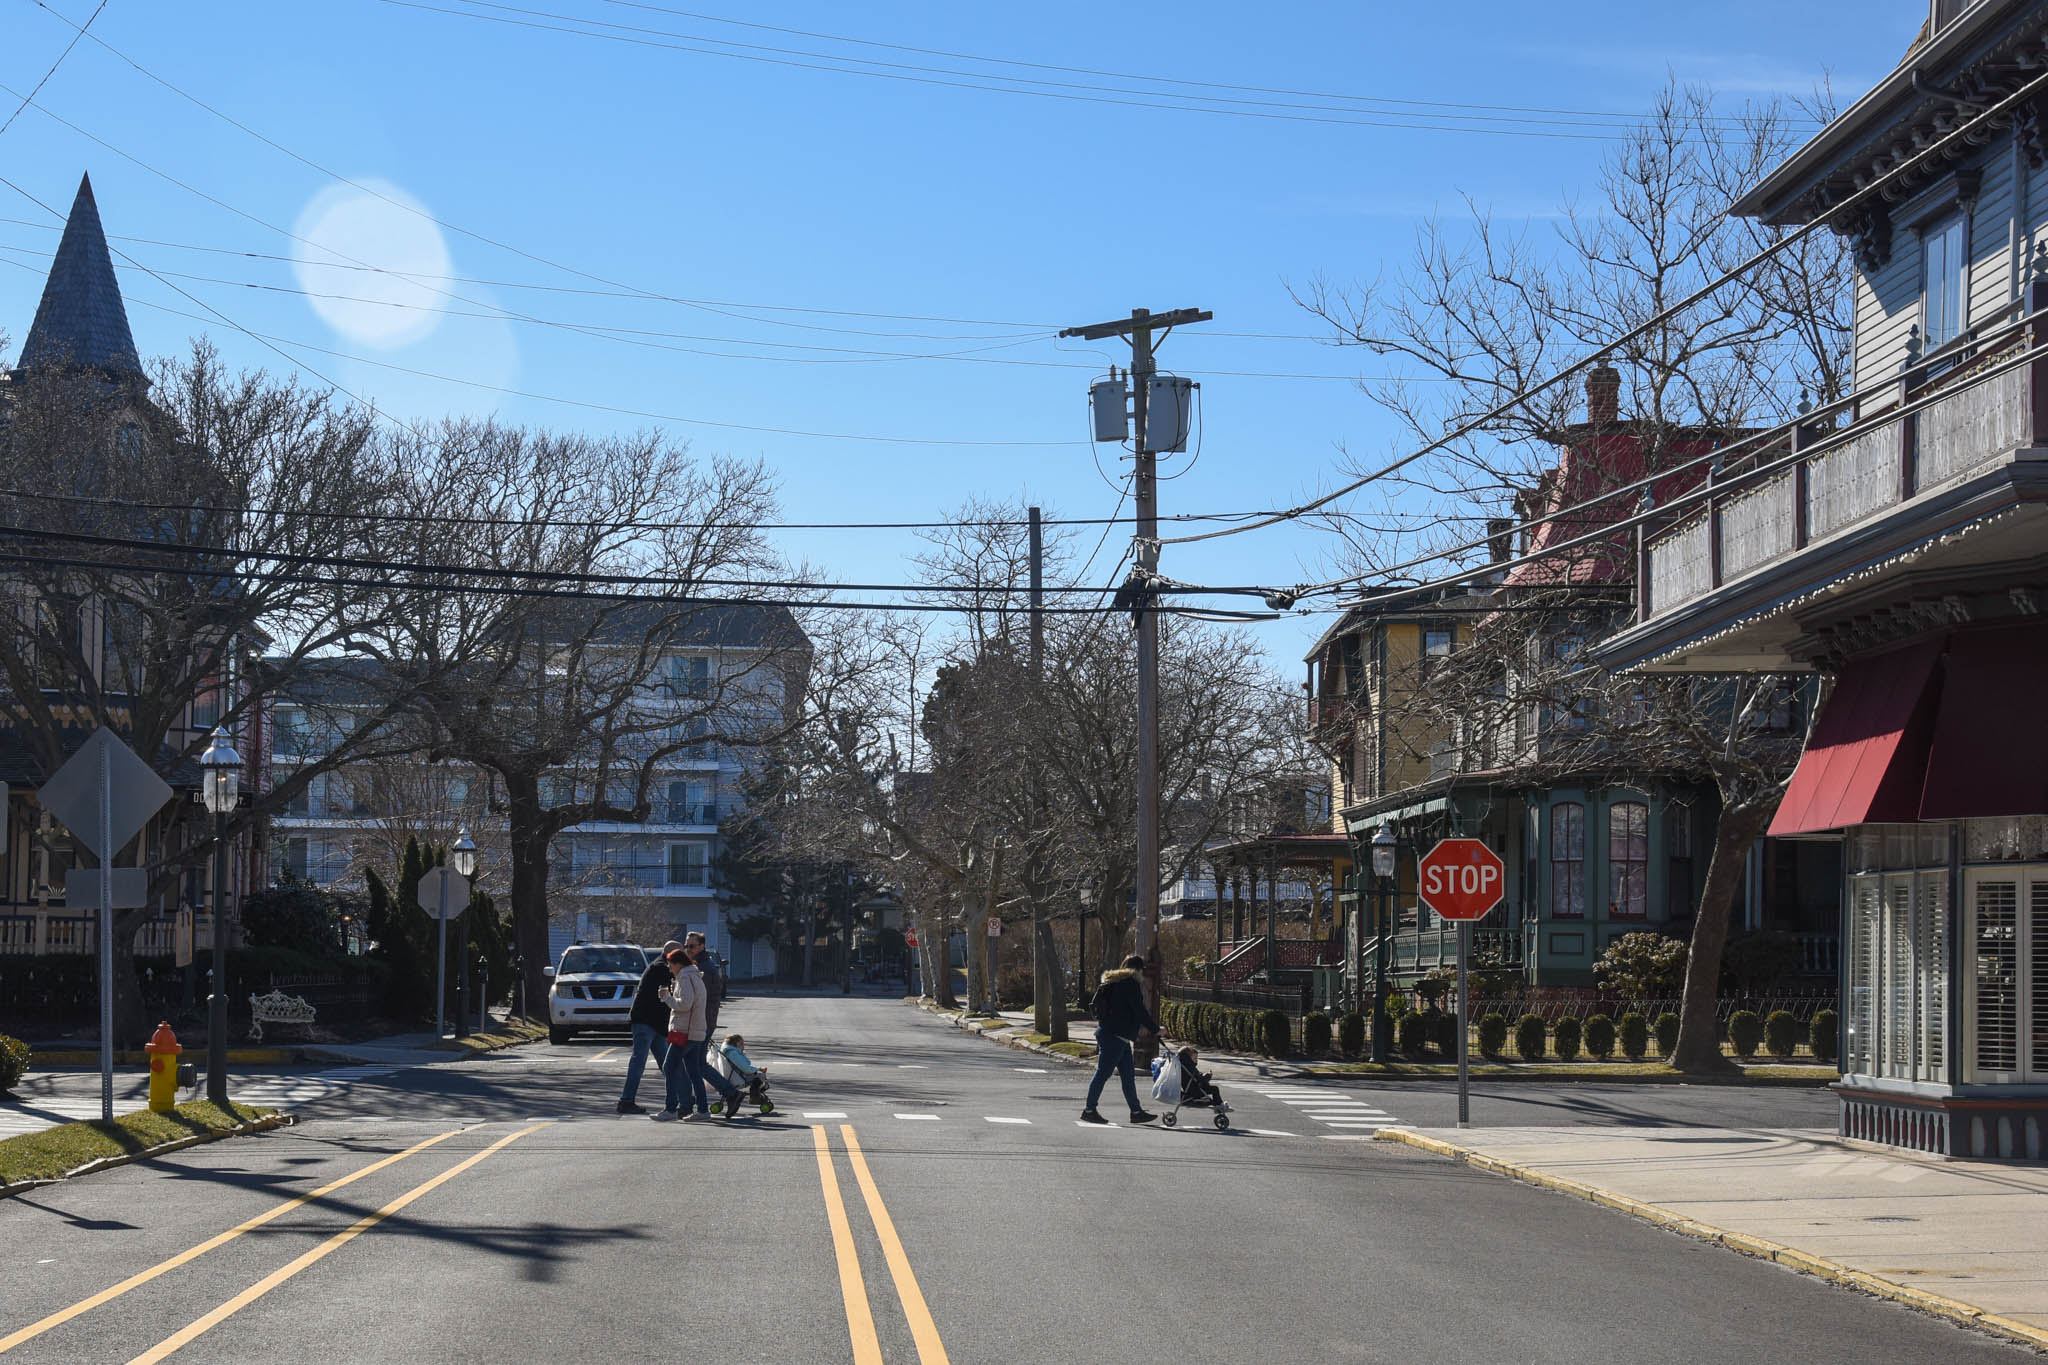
[1166,1079]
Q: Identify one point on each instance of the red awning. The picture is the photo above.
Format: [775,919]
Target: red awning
[1868,753]
[1990,750]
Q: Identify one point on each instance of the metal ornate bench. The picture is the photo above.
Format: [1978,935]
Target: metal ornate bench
[277,1008]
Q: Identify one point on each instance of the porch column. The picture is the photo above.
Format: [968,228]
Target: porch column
[1216,905]
[1236,903]
[1272,915]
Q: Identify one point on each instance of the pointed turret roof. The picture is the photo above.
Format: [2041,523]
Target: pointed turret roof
[81,321]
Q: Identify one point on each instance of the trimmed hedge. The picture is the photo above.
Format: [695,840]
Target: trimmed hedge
[1566,1039]
[1825,1034]
[1745,1031]
[1493,1035]
[1412,1035]
[13,1062]
[1781,1034]
[1666,1029]
[1276,1033]
[1315,1034]
[1529,1038]
[1351,1034]
[1210,1025]
[1634,1031]
[1599,1037]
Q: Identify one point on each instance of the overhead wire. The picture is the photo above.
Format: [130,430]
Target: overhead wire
[36,89]
[1661,318]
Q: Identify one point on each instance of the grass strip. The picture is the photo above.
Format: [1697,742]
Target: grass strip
[1575,1071]
[56,1152]
[509,1034]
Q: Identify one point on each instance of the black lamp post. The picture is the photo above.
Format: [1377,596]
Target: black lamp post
[220,785]
[1384,845]
[462,857]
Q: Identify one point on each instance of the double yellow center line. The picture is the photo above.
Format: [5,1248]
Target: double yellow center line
[860,1321]
[269,1282]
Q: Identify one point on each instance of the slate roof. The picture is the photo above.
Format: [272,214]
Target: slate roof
[81,321]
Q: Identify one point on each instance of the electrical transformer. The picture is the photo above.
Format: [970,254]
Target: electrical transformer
[1169,412]
[1106,400]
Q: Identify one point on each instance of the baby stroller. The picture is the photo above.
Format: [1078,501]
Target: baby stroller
[742,1072]
[1178,1082]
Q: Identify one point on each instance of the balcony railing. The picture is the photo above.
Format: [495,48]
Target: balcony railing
[1970,404]
[615,877]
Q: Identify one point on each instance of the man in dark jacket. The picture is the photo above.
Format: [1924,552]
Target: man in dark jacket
[650,1026]
[714,995]
[1120,1017]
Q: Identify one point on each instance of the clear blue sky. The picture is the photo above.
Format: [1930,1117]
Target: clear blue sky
[750,183]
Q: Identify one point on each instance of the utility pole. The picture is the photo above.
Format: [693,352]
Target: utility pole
[1139,327]
[1048,1002]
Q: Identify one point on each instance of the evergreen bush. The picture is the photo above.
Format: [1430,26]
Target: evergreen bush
[1397,1005]
[1443,1027]
[1781,1034]
[1666,1029]
[1599,1037]
[1634,1033]
[1351,1033]
[1824,1035]
[13,1062]
[1412,1035]
[1529,1038]
[1745,1031]
[1565,1039]
[1315,1034]
[1493,1035]
[1276,1033]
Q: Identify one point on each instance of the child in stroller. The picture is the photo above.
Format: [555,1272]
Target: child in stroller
[1197,1090]
[744,1072]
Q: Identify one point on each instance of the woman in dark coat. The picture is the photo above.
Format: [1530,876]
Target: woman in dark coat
[1120,1018]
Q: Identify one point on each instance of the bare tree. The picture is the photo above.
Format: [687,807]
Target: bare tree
[1485,314]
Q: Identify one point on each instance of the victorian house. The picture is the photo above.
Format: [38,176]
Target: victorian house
[1898,550]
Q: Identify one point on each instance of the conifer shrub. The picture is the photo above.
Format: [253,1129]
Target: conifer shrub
[1530,1037]
[1276,1033]
[1351,1033]
[1564,1039]
[1781,1034]
[1666,1029]
[13,1062]
[1599,1037]
[1634,1031]
[1745,1031]
[1824,1035]
[1315,1034]
[1493,1035]
[1412,1035]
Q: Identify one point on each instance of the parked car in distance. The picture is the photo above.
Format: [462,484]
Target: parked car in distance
[593,988]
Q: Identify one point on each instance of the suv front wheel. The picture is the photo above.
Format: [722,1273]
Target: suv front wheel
[557,1036]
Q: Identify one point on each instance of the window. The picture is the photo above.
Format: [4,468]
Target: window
[686,864]
[1628,859]
[1568,860]
[1678,902]
[689,677]
[1898,956]
[1944,249]
[292,732]
[1436,647]
[291,857]
[206,710]
[300,803]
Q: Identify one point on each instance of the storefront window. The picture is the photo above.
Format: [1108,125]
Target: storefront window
[1898,954]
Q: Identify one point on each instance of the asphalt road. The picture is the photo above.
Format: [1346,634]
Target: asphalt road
[918,1179]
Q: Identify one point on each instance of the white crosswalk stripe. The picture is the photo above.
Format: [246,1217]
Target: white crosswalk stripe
[994,1118]
[1333,1110]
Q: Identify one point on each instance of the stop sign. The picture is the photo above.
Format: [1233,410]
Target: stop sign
[1460,879]
[910,940]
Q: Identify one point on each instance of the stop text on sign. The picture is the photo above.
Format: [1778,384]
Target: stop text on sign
[1460,879]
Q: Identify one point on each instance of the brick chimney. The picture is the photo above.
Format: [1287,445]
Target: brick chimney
[1603,396]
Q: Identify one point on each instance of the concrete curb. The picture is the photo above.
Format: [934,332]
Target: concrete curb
[1833,1271]
[1448,1073]
[108,1163]
[966,1025]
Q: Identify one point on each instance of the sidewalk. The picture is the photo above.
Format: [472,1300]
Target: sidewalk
[1958,1238]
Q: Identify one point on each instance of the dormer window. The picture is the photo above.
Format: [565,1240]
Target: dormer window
[1944,252]
[1947,12]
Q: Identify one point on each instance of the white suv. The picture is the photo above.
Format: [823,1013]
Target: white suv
[593,988]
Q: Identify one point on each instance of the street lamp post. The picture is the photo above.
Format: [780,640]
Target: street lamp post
[462,857]
[1384,847]
[220,785]
[462,860]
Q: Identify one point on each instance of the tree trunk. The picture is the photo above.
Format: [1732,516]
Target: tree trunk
[938,961]
[1699,1046]
[526,839]
[131,1027]
[810,941]
[1113,913]
[1049,1004]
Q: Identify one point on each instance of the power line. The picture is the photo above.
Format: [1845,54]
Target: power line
[1121,75]
[1661,318]
[37,89]
[637,36]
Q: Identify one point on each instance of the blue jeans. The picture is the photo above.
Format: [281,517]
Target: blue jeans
[676,1070]
[647,1038]
[701,1071]
[1113,1054]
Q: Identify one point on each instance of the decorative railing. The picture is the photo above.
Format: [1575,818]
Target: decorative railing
[1974,402]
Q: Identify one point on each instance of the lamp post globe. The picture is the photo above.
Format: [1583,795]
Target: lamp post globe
[220,784]
[462,854]
[1383,846]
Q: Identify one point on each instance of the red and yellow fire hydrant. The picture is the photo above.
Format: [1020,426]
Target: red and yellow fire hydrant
[163,1053]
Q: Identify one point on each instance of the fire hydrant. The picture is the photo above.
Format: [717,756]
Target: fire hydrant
[163,1053]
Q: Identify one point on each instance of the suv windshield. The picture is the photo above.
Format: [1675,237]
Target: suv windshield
[603,960]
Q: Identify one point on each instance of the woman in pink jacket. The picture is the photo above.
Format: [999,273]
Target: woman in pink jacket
[687,1000]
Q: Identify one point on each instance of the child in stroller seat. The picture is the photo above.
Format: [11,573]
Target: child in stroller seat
[1197,1087]
[744,1072]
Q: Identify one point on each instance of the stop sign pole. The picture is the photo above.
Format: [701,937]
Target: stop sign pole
[1461,880]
